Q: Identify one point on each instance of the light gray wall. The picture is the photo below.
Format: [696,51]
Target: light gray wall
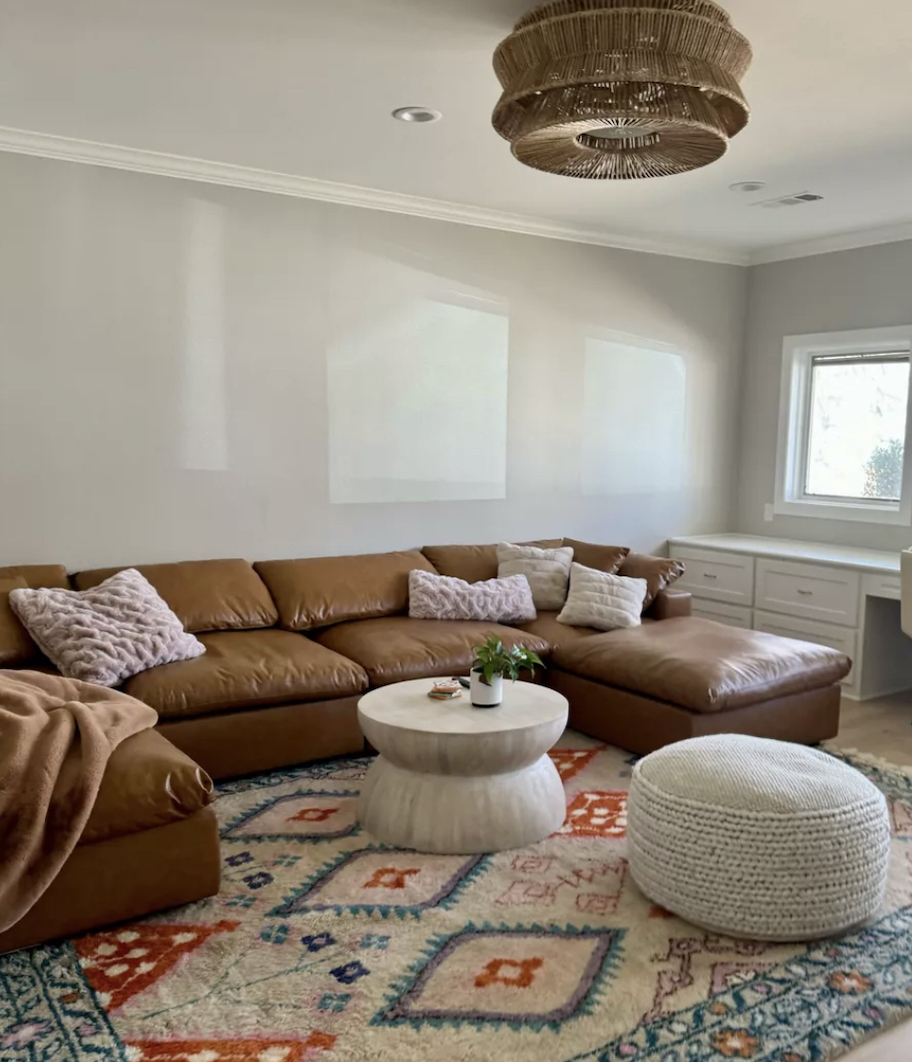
[866,288]
[163,374]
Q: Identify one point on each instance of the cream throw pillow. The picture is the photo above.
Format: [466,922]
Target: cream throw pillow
[548,571]
[447,598]
[106,634]
[605,602]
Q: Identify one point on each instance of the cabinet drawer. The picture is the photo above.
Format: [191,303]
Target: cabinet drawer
[727,577]
[811,591]
[882,586]
[730,615]
[808,631]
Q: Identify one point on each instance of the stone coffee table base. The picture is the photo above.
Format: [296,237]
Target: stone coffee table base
[451,778]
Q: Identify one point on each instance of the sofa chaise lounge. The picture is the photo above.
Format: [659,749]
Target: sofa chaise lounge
[292,644]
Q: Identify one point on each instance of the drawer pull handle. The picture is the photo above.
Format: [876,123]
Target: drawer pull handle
[708,575]
[805,593]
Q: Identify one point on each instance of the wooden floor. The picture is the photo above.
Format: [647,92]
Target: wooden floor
[882,728]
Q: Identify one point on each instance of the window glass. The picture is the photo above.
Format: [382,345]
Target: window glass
[857,426]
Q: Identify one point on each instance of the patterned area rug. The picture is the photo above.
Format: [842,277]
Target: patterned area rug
[325,945]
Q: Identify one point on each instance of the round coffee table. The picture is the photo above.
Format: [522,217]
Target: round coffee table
[456,779]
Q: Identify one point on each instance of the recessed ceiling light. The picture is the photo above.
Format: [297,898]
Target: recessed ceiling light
[417,114]
[747,186]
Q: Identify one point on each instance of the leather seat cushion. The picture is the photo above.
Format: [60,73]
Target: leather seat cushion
[399,648]
[702,665]
[147,783]
[554,633]
[317,591]
[212,595]
[474,563]
[246,669]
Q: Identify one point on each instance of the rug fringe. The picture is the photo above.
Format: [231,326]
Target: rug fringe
[867,757]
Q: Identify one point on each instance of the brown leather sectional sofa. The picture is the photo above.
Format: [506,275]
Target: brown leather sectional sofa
[290,647]
[292,644]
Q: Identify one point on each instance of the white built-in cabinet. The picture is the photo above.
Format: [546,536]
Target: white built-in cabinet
[838,596]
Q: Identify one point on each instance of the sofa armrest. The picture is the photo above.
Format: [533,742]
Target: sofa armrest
[669,604]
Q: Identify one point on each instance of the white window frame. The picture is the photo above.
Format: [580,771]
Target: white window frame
[798,353]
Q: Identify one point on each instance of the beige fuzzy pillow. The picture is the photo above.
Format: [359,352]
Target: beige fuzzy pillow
[548,571]
[447,598]
[106,634]
[605,602]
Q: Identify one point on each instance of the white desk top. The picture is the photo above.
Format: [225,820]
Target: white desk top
[868,560]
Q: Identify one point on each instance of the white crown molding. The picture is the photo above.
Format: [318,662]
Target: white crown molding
[23,142]
[843,241]
[137,160]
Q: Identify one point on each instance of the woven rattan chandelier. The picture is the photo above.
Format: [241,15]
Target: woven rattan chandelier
[621,89]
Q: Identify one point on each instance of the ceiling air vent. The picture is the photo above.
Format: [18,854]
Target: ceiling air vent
[789,200]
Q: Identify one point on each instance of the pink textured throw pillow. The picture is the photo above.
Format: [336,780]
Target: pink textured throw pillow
[106,634]
[442,597]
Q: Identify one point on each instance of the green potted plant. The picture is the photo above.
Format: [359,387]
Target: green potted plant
[492,662]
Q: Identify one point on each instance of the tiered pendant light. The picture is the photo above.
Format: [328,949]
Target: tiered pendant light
[621,88]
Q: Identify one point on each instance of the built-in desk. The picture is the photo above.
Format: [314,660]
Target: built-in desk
[834,595]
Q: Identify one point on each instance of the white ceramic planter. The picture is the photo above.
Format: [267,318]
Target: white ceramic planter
[484,695]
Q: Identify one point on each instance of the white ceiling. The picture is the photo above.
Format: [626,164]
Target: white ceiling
[301,87]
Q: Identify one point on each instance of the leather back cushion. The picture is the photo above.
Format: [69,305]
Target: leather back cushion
[474,563]
[214,595]
[38,576]
[16,647]
[659,573]
[319,591]
[606,559]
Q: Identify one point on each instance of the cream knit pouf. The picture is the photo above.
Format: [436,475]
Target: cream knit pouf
[757,838]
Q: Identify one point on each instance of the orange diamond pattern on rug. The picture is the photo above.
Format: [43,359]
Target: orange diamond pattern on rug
[231,1050]
[314,814]
[520,973]
[569,762]
[596,813]
[123,962]
[302,815]
[524,976]
[384,880]
[390,878]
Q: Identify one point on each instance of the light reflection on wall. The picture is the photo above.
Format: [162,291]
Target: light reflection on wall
[417,387]
[634,413]
[204,417]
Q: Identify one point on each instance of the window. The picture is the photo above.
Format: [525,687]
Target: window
[843,426]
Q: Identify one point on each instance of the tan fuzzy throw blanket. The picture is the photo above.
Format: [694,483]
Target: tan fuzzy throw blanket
[56,736]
